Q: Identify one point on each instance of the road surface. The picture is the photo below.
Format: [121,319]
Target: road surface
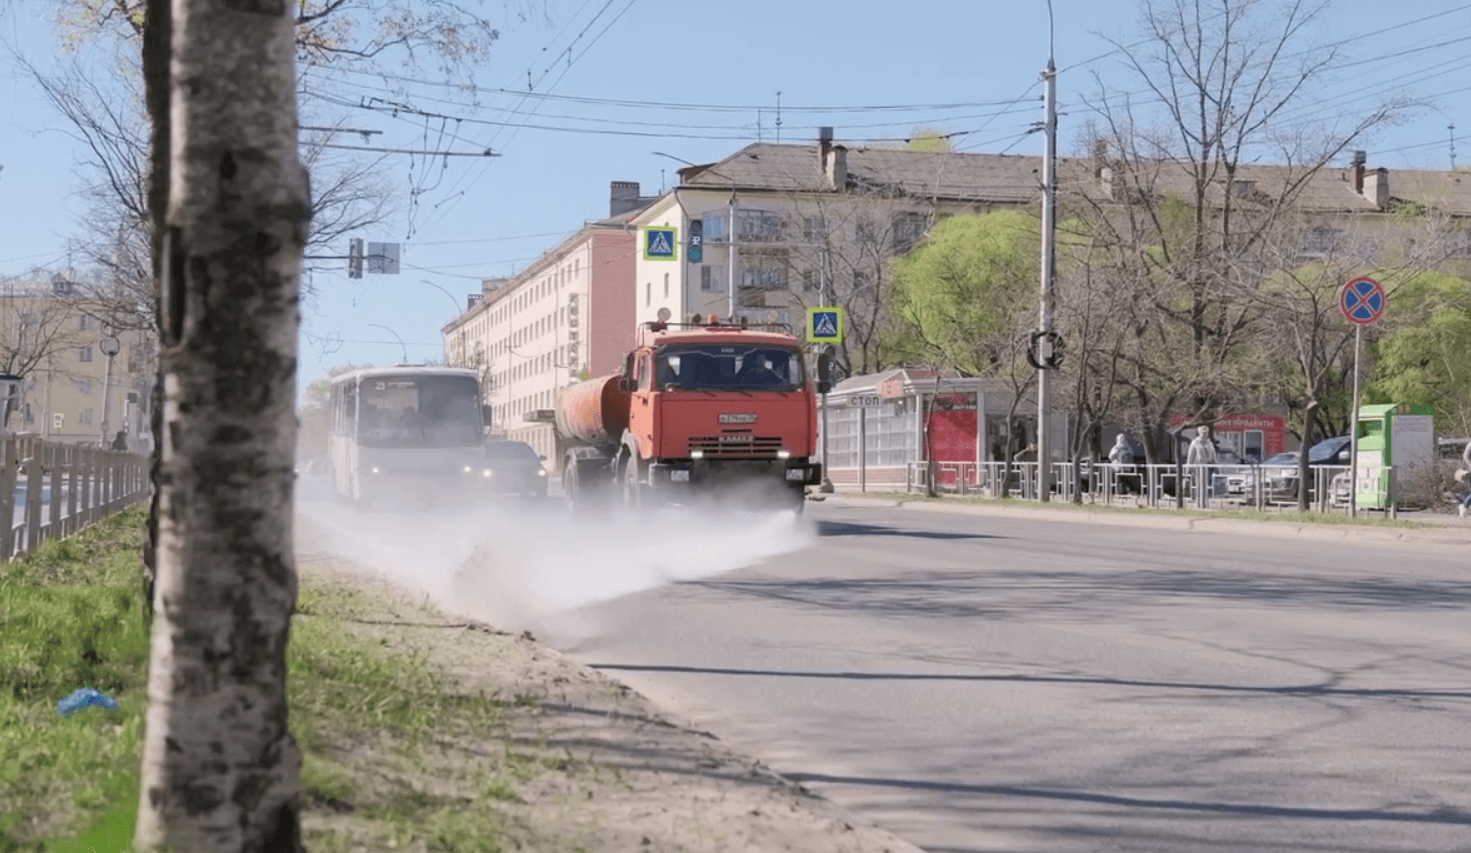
[986,684]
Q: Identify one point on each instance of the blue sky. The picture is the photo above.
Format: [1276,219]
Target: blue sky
[834,62]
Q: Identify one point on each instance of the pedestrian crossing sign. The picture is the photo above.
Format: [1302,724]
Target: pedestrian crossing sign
[659,243]
[825,325]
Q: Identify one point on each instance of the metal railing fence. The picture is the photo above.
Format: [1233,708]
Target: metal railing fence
[50,490]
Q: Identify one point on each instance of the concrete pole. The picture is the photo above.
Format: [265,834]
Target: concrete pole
[730,310]
[107,403]
[1049,257]
[827,482]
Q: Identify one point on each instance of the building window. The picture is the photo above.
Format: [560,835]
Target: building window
[648,293]
[84,416]
[84,386]
[713,226]
[666,285]
[766,270]
[909,229]
[84,354]
[759,226]
[813,229]
[86,322]
[1319,242]
[811,281]
[712,278]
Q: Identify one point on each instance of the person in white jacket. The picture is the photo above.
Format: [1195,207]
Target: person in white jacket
[1464,501]
[1121,457]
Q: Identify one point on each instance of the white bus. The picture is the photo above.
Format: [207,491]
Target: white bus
[407,433]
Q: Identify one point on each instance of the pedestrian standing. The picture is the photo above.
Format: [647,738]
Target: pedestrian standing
[1464,501]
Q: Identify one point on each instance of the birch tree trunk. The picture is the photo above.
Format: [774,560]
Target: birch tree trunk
[220,768]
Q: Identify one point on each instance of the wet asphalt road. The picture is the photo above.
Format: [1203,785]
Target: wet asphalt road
[988,684]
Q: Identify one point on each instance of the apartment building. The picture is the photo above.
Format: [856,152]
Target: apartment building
[784,227]
[80,381]
[813,224]
[566,317]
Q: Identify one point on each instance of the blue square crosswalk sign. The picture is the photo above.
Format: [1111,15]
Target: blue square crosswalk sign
[660,243]
[825,325]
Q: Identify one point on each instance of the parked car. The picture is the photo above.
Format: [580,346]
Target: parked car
[515,468]
[1279,472]
[1227,468]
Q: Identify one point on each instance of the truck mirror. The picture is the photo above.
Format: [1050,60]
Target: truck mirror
[628,366]
[485,413]
[625,384]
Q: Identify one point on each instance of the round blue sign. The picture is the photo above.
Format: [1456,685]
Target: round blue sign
[1362,301]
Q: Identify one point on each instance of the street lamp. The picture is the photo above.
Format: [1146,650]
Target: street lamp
[110,347]
[445,292]
[395,335]
[730,238]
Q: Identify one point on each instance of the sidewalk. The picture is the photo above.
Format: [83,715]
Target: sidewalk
[1446,530]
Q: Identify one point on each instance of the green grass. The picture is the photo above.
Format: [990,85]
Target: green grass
[71,616]
[1283,515]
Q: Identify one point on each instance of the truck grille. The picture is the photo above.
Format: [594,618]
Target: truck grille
[736,444]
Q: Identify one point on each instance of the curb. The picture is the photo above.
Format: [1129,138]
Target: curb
[1273,529]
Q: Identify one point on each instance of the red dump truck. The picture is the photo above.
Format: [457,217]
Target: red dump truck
[700,408]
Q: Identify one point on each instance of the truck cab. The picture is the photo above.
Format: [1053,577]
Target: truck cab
[716,404]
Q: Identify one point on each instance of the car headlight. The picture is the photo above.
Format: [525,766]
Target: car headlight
[374,469]
[467,469]
[541,472]
[487,473]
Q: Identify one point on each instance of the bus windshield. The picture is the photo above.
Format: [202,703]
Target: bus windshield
[738,367]
[419,411]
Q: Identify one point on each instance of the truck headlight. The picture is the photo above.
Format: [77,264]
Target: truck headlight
[679,475]
[697,454]
[467,469]
[541,472]
[783,454]
[487,473]
[374,469]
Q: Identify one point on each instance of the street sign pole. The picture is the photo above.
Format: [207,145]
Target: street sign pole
[1362,301]
[1353,433]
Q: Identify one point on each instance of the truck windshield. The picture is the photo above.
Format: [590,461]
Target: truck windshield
[727,367]
[419,411]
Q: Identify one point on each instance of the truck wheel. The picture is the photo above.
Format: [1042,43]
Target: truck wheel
[569,484]
[632,489]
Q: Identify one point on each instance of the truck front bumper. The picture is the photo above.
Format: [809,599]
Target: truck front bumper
[680,473]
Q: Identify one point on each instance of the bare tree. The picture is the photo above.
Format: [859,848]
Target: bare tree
[220,768]
[1175,194]
[351,192]
[1306,342]
[841,249]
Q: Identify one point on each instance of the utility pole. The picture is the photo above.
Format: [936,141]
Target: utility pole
[109,347]
[827,484]
[731,308]
[1049,259]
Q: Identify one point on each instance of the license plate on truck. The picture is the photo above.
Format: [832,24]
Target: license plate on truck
[796,475]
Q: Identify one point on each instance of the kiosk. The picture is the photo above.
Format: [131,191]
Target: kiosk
[1399,436]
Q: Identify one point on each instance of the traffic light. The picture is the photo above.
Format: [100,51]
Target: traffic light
[355,258]
[696,249]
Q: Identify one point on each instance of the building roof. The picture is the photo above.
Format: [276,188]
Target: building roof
[979,178]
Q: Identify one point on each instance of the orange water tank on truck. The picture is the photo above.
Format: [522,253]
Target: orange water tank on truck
[699,408]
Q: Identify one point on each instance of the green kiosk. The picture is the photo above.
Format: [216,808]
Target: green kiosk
[1402,436]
